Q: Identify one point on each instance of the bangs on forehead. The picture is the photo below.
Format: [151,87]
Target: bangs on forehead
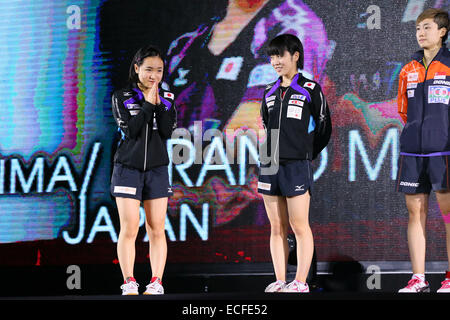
[276,48]
[286,42]
[419,22]
[153,61]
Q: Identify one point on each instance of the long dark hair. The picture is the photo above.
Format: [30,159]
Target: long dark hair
[286,42]
[139,57]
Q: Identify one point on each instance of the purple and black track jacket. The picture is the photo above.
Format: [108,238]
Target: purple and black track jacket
[145,128]
[302,117]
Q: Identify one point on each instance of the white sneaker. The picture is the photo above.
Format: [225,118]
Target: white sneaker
[296,286]
[130,288]
[154,287]
[416,285]
[276,286]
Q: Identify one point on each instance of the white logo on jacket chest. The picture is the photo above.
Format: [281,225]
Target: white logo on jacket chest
[298,96]
[132,106]
[413,76]
[296,102]
[438,94]
[440,76]
[294,112]
[270,100]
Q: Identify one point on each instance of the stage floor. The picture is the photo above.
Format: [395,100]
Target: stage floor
[247,297]
[100,282]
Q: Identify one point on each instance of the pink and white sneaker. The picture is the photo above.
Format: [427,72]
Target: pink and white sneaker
[130,287]
[416,285]
[276,286]
[154,287]
[296,287]
[445,288]
[445,285]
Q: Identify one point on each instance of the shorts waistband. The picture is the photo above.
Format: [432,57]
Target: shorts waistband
[434,154]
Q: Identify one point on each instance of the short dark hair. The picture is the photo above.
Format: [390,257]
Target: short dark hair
[439,16]
[138,59]
[286,42]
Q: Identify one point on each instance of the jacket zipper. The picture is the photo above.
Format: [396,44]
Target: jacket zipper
[145,148]
[424,100]
[279,119]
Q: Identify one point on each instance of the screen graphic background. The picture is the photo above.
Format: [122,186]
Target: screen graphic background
[61,60]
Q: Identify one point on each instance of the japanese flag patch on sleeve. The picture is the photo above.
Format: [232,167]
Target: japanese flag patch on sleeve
[169,95]
[309,85]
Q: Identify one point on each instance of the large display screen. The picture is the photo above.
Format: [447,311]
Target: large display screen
[61,60]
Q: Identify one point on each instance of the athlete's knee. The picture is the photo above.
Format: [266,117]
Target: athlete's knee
[129,231]
[278,228]
[156,233]
[300,228]
[417,214]
[416,217]
[443,199]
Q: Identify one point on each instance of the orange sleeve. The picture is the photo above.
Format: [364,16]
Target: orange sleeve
[402,99]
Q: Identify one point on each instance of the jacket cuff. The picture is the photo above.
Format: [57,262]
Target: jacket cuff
[160,108]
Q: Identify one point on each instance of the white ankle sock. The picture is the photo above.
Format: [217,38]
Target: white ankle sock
[420,276]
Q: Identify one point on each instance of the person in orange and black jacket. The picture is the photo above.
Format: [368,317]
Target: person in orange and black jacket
[423,104]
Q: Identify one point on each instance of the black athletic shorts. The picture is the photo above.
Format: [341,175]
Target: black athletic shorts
[422,174]
[132,183]
[292,179]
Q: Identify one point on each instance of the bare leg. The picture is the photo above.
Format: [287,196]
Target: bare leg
[129,227]
[155,217]
[279,250]
[298,208]
[443,199]
[417,205]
